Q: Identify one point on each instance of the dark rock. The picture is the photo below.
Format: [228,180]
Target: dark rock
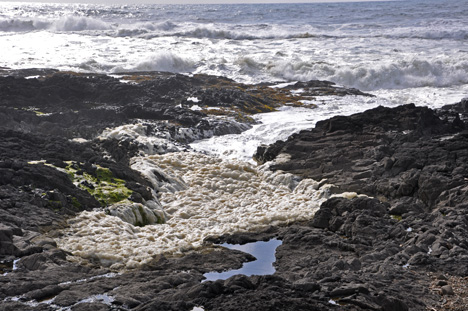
[306,285]
[393,304]
[411,160]
[381,142]
[441,283]
[44,293]
[322,218]
[90,306]
[7,248]
[447,290]
[340,292]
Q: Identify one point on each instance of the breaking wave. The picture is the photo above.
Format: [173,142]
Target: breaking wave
[165,61]
[67,23]
[397,75]
[153,29]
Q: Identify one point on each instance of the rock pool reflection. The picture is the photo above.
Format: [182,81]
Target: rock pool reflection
[263,251]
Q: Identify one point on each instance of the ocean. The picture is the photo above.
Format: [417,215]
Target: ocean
[400,51]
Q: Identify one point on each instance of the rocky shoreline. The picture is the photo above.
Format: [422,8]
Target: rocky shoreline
[403,247]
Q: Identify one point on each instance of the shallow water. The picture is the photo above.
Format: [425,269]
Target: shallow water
[263,251]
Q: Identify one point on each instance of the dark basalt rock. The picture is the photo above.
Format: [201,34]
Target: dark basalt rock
[360,254]
[413,160]
[383,152]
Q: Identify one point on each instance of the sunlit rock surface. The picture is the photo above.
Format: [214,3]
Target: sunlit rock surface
[104,205]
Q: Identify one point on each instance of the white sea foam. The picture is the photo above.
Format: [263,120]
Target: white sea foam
[138,133]
[279,125]
[66,23]
[165,61]
[214,197]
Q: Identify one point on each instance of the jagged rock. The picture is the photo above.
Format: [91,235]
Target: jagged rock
[447,290]
[363,254]
[384,152]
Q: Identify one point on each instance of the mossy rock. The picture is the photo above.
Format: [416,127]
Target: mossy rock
[104,187]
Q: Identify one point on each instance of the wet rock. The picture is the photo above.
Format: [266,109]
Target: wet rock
[403,162]
[447,290]
[90,306]
[367,253]
[375,147]
[44,293]
[7,248]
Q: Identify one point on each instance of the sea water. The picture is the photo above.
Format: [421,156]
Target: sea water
[403,51]
[263,251]
[399,51]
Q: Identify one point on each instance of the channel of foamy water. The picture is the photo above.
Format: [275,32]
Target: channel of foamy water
[205,196]
[210,193]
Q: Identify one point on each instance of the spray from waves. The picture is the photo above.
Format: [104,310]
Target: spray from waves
[74,23]
[18,25]
[66,24]
[162,61]
[146,30]
[165,61]
[397,74]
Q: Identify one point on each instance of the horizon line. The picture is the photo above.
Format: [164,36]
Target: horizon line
[191,2]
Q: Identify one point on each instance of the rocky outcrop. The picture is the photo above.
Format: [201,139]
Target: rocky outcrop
[388,153]
[382,252]
[413,161]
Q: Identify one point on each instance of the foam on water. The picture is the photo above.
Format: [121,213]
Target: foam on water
[279,125]
[208,197]
[138,133]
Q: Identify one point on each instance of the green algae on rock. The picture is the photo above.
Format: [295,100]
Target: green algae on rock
[103,186]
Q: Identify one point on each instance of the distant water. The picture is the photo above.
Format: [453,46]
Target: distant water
[403,51]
